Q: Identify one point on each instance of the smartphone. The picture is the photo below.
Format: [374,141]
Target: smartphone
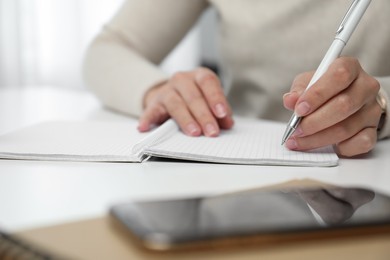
[255,217]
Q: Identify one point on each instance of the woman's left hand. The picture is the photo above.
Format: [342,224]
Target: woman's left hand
[339,109]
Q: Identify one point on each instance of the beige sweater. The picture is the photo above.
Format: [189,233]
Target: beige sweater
[264,44]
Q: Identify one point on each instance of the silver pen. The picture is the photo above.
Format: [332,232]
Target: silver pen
[343,33]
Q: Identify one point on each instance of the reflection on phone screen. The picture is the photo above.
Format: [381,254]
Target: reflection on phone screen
[254,212]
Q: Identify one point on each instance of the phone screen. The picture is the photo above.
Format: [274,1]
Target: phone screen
[161,224]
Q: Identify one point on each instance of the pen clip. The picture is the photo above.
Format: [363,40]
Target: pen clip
[346,16]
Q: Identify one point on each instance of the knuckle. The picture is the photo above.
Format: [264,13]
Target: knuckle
[345,104]
[215,96]
[174,108]
[206,77]
[169,96]
[373,84]
[194,98]
[342,73]
[178,76]
[366,142]
[317,94]
[203,116]
[363,143]
[342,131]
[204,70]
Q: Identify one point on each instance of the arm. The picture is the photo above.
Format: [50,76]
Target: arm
[121,63]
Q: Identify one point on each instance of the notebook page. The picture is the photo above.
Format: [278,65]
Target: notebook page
[249,142]
[164,131]
[71,140]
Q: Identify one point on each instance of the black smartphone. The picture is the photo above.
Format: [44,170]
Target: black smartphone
[255,217]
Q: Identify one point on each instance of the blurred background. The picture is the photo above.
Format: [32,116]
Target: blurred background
[42,42]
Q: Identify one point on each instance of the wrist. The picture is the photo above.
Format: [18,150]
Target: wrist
[382,101]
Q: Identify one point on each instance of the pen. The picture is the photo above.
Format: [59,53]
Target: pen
[343,33]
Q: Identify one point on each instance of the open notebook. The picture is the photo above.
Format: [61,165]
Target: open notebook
[249,142]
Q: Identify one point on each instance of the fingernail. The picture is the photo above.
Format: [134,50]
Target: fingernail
[286,95]
[298,132]
[290,94]
[291,144]
[302,109]
[143,127]
[220,111]
[192,129]
[211,130]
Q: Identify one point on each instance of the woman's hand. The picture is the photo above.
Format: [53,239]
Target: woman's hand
[194,99]
[340,109]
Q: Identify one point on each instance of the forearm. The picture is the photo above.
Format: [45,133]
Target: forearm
[118,75]
[122,62]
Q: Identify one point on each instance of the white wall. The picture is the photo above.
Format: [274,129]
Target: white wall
[42,42]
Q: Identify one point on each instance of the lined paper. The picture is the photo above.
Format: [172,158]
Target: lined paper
[249,142]
[73,141]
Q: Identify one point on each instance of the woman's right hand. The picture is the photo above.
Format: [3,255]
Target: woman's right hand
[194,99]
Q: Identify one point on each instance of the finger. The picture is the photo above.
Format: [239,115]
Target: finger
[362,92]
[297,88]
[178,110]
[225,123]
[290,99]
[196,103]
[361,143]
[341,73]
[212,90]
[153,115]
[367,117]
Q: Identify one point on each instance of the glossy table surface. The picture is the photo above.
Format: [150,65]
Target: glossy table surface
[39,193]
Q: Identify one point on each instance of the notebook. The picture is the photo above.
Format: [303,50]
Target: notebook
[251,141]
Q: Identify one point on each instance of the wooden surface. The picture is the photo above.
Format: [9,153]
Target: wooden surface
[99,239]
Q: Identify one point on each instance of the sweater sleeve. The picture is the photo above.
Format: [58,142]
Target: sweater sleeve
[121,63]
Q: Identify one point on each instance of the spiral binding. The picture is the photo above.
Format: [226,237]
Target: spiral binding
[14,249]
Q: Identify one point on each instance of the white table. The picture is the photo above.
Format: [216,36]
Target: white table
[39,193]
